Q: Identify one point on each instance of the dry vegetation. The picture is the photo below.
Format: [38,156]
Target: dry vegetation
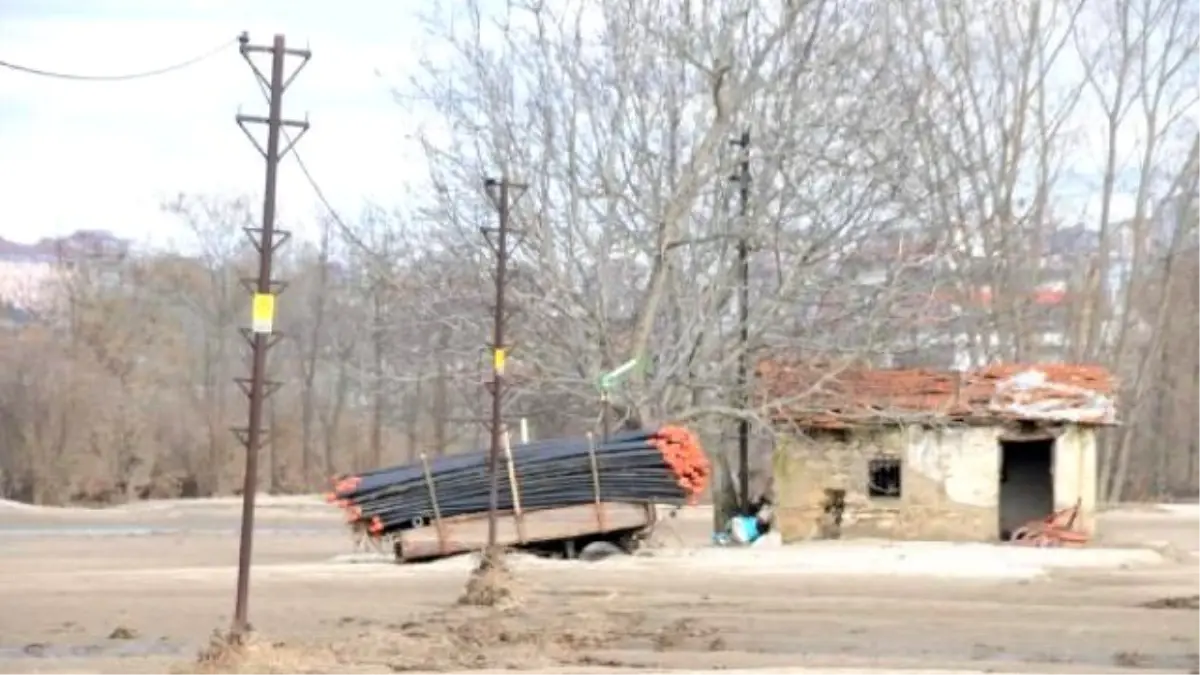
[905,159]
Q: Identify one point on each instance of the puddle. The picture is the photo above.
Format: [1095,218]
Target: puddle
[123,648]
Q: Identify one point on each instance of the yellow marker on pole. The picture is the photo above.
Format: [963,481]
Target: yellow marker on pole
[498,356]
[262,313]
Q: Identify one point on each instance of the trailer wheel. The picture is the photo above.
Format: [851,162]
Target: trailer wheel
[599,550]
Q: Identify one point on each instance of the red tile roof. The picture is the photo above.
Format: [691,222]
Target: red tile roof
[1043,296]
[837,398]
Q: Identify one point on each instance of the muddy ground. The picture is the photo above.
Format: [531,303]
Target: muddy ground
[141,589]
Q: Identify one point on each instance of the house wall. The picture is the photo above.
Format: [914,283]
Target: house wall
[1075,473]
[949,482]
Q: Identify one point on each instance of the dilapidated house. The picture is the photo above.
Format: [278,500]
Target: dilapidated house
[919,454]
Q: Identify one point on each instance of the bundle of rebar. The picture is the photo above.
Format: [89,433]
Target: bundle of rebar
[663,466]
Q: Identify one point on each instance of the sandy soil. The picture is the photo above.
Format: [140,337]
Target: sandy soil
[141,589]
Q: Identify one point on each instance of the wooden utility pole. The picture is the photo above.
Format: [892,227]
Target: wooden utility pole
[743,276]
[503,194]
[262,335]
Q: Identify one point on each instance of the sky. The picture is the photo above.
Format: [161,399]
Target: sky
[104,155]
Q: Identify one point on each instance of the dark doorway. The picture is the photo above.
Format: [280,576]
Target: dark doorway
[1026,483]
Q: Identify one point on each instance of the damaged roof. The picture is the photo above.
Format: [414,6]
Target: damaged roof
[834,398]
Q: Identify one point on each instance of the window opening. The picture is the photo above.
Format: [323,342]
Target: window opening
[883,477]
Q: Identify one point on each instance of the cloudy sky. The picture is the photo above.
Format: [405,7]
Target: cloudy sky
[103,154]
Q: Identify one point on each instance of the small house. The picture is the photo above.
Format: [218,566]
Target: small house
[920,454]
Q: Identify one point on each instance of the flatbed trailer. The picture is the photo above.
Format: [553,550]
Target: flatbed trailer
[566,532]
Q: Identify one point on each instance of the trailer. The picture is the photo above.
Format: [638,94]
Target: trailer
[561,497]
[580,531]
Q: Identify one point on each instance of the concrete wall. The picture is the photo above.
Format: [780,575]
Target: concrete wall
[1075,473]
[949,482]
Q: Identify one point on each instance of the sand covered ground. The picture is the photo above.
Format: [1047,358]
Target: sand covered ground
[141,588]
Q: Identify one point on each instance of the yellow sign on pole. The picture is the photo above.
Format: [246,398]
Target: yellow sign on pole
[262,313]
[498,356]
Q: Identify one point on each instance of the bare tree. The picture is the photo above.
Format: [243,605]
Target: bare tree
[209,283]
[311,293]
[1140,67]
[994,117]
[619,116]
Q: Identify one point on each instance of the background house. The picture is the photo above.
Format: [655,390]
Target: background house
[921,454]
[33,276]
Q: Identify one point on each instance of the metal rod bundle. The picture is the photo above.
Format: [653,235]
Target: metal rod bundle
[666,465]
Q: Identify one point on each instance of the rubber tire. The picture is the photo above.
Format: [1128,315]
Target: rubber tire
[599,550]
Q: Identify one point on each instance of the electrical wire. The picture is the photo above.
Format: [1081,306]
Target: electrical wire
[347,232]
[117,78]
[345,229]
[316,188]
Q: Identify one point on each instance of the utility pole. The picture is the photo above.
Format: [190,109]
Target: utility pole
[605,414]
[743,274]
[261,335]
[503,194]
[606,383]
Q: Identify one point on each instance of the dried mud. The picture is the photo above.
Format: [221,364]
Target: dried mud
[148,605]
[460,638]
[491,583]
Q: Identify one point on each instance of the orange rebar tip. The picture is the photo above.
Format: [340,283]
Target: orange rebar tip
[682,453]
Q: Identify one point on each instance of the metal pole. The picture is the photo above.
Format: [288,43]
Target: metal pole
[501,193]
[743,262]
[605,414]
[261,335]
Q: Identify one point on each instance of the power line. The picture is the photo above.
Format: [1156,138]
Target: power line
[29,70]
[243,38]
[347,232]
[345,229]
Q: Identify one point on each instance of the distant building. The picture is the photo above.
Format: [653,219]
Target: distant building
[29,272]
[25,282]
[921,454]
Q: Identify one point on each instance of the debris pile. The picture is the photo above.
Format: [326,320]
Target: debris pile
[1033,395]
[1057,529]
